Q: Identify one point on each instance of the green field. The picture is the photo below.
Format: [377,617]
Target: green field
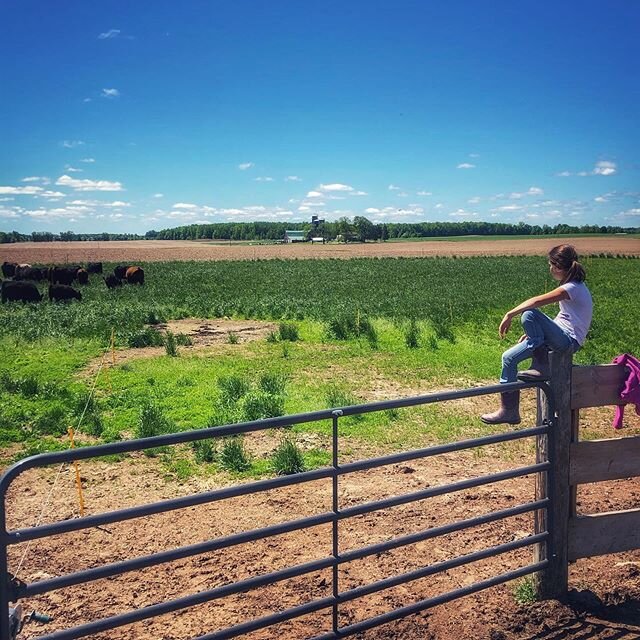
[366,329]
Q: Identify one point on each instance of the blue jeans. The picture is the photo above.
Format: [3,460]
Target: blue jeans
[540,330]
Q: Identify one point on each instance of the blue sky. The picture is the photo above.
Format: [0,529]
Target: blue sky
[130,116]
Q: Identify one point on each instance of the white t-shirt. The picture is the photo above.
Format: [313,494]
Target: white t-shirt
[575,313]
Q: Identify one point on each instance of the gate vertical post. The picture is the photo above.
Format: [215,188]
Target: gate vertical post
[4,574]
[335,547]
[553,582]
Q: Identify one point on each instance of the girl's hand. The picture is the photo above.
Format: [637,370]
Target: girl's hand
[504,325]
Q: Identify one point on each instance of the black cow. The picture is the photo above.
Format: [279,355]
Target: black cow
[62,275]
[25,272]
[112,282]
[20,291]
[94,267]
[121,270]
[9,269]
[135,275]
[83,276]
[59,292]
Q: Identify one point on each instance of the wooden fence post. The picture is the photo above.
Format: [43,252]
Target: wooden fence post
[553,582]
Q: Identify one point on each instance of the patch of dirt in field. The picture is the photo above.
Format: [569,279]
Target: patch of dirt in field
[604,602]
[163,250]
[204,334]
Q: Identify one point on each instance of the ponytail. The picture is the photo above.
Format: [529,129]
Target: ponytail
[565,258]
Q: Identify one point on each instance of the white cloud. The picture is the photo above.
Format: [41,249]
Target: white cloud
[314,194]
[87,100]
[563,174]
[185,205]
[110,93]
[336,186]
[293,179]
[8,213]
[393,187]
[532,191]
[582,173]
[424,193]
[474,155]
[20,191]
[604,168]
[461,213]
[403,194]
[473,200]
[158,195]
[109,35]
[439,206]
[508,207]
[630,213]
[117,204]
[466,165]
[72,144]
[264,179]
[72,169]
[40,179]
[600,199]
[89,160]
[359,193]
[51,194]
[88,185]
[245,165]
[372,210]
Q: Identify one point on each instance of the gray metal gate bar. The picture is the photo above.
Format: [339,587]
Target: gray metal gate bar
[369,507]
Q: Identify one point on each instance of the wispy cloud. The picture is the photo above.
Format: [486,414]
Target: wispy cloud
[336,186]
[393,187]
[293,179]
[604,168]
[110,35]
[73,169]
[532,191]
[158,195]
[110,93]
[88,185]
[466,165]
[264,179]
[243,166]
[424,193]
[72,144]
[40,179]
[88,160]
[314,194]
[462,213]
[20,191]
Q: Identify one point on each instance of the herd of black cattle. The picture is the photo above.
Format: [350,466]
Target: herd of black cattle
[22,286]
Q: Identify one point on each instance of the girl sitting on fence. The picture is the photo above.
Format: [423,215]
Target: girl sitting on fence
[567,330]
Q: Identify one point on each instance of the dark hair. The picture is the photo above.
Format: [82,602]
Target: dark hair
[565,258]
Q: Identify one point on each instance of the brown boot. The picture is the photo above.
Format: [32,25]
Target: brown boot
[509,411]
[539,366]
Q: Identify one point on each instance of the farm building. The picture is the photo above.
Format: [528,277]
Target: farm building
[294,236]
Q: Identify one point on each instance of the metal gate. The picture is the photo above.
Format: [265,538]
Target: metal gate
[12,590]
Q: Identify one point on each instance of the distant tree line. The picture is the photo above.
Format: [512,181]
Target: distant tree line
[64,236]
[358,229]
[361,229]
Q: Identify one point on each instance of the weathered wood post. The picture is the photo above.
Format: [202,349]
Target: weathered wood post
[553,581]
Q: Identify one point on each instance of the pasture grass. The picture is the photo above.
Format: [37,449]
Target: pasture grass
[350,331]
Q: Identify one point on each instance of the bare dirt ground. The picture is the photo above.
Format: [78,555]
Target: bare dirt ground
[604,602]
[165,250]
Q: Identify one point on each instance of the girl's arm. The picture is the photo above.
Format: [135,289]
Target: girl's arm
[532,303]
